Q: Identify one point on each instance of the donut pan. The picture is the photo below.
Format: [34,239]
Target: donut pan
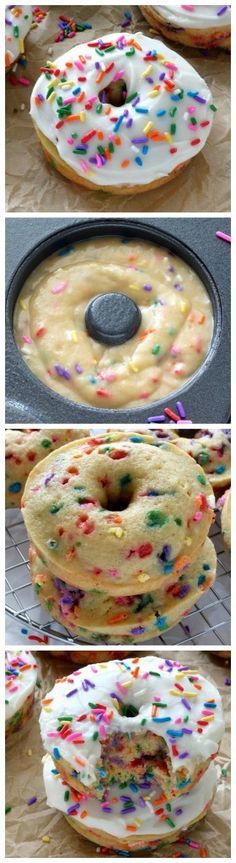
[206,397]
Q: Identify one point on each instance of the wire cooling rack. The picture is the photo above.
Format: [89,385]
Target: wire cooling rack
[207,623]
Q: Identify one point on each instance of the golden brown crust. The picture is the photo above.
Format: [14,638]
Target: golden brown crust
[210,38]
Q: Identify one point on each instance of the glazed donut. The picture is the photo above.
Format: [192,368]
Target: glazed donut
[25,448]
[18,21]
[211,450]
[118,512]
[153,718]
[124,619]
[21,671]
[199,26]
[170,305]
[225,505]
[146,826]
[117,113]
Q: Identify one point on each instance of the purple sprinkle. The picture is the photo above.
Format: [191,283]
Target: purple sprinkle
[129,123]
[124,797]
[171,269]
[139,140]
[184,590]
[162,76]
[227,681]
[165,553]
[138,630]
[200,99]
[78,369]
[160,419]
[147,287]
[114,695]
[128,810]
[141,802]
[187,731]
[72,692]
[178,811]
[150,80]
[135,102]
[181,410]
[184,755]
[31,801]
[222,10]
[186,703]
[48,478]
[73,808]
[63,373]
[86,684]
[178,287]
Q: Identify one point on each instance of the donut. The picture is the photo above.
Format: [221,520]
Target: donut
[123,619]
[117,512]
[18,21]
[199,26]
[224,504]
[25,448]
[117,113]
[211,450]
[146,826]
[21,672]
[168,304]
[145,719]
[82,657]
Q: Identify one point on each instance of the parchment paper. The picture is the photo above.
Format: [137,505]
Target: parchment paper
[33,186]
[26,825]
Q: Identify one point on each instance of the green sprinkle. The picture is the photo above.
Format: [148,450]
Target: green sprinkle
[156,349]
[143,721]
[126,479]
[95,735]
[178,521]
[129,98]
[66,795]
[8,809]
[55,508]
[173,128]
[213,108]
[16,31]
[46,443]
[50,90]
[99,108]
[130,52]
[156,518]
[203,458]
[154,673]
[170,822]
[202,479]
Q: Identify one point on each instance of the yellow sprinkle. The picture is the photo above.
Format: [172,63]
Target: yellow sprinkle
[51,97]
[29,752]
[133,367]
[167,137]
[183,694]
[66,84]
[147,71]
[188,541]
[190,694]
[45,838]
[82,116]
[117,531]
[143,577]
[184,306]
[54,82]
[134,287]
[74,336]
[153,94]
[127,683]
[21,46]
[22,305]
[148,127]
[47,709]
[207,719]
[138,823]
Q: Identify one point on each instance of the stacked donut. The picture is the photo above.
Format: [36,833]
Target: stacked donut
[118,526]
[24,448]
[21,672]
[129,749]
[199,26]
[18,21]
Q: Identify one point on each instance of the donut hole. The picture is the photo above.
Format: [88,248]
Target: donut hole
[114,94]
[119,499]
[127,710]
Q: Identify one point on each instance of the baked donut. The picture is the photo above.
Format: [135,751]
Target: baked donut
[199,26]
[82,657]
[25,448]
[118,512]
[211,450]
[121,113]
[145,827]
[224,504]
[123,619]
[155,290]
[111,728]
[21,671]
[18,21]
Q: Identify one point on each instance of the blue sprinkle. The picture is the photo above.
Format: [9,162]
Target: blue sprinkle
[142,110]
[139,161]
[161,719]
[201,579]
[16,486]
[145,149]
[118,123]
[162,623]
[220,469]
[76,91]
[56,753]
[161,113]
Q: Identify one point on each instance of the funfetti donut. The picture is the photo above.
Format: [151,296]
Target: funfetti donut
[132,721]
[24,448]
[197,25]
[121,113]
[18,20]
[137,817]
[212,450]
[224,504]
[117,512]
[21,671]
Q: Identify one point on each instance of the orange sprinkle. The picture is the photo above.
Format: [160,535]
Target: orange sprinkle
[99,77]
[47,700]
[107,109]
[161,799]
[80,761]
[201,318]
[100,136]
[135,673]
[181,562]
[69,65]
[71,118]
[108,154]
[131,827]
[125,163]
[83,814]
[135,44]
[117,140]
[80,97]
[118,618]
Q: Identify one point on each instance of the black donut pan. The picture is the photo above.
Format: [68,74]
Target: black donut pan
[206,398]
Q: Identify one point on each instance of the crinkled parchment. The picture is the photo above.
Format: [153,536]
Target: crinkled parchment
[26,825]
[33,186]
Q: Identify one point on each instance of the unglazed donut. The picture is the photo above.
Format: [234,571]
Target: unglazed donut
[131,142]
[225,506]
[117,513]
[124,619]
[169,346]
[24,448]
[141,719]
[199,25]
[144,830]
[18,20]
[21,671]
[211,450]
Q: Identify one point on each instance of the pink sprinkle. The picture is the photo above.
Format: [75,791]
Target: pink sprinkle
[79,65]
[98,160]
[118,75]
[75,738]
[60,287]
[174,351]
[24,81]
[102,730]
[27,340]
[53,734]
[84,166]
[197,516]
[191,127]
[189,9]
[191,109]
[13,689]
[120,687]
[70,100]
[70,141]
[113,573]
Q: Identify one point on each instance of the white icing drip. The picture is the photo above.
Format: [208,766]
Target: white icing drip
[140,692]
[22,21]
[189,806]
[162,156]
[197,17]
[23,683]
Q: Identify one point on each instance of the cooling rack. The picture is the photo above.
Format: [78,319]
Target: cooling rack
[208,622]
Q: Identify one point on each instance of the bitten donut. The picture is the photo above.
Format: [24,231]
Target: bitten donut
[225,505]
[118,512]
[121,113]
[124,619]
[21,671]
[141,719]
[138,819]
[199,26]
[18,20]
[211,450]
[24,448]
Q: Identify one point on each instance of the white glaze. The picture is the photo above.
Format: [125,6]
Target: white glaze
[21,17]
[197,17]
[149,823]
[22,684]
[140,692]
[159,160]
